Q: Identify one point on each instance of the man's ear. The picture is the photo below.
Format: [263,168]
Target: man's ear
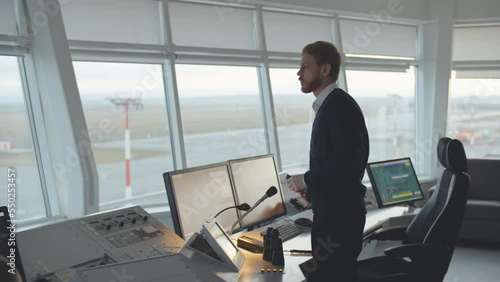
[326,69]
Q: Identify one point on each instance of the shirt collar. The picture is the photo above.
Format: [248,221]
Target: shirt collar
[322,96]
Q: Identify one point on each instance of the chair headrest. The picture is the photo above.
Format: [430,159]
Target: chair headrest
[442,152]
[457,160]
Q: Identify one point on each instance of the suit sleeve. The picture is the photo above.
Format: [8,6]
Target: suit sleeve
[346,153]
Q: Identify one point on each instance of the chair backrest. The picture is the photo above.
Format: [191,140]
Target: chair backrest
[439,221]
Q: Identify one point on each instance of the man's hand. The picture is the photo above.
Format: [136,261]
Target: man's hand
[296,183]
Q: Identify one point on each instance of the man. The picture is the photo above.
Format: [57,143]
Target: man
[338,156]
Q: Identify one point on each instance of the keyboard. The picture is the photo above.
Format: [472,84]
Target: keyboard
[287,231]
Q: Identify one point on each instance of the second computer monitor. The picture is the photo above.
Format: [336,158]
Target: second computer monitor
[394,182]
[196,194]
[252,177]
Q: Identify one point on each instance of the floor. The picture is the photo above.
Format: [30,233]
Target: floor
[474,264]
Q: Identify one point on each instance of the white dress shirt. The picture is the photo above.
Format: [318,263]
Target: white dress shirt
[322,96]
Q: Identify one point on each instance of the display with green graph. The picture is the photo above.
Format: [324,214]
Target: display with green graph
[394,182]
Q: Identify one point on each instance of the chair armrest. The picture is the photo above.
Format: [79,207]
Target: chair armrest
[420,251]
[396,233]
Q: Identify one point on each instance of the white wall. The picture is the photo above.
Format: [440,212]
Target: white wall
[477,9]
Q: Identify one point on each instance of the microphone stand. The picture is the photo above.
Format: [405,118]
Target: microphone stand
[242,207]
[269,193]
[241,218]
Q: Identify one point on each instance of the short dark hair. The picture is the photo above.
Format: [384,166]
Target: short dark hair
[325,53]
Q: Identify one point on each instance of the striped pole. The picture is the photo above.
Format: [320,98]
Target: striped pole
[128,187]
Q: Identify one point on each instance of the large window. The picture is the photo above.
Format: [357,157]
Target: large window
[294,115]
[388,103]
[474,95]
[221,113]
[216,92]
[111,93]
[16,147]
[474,111]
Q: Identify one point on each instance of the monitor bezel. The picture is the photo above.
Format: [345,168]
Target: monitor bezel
[172,197]
[375,190]
[235,192]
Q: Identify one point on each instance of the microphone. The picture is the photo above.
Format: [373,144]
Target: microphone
[269,193]
[242,207]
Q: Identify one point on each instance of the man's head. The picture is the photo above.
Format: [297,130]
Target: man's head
[319,66]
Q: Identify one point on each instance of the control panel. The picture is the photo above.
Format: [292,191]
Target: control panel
[53,253]
[172,267]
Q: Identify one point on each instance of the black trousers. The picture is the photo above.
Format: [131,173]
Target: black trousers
[336,243]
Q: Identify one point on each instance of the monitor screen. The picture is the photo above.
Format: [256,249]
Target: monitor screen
[198,193]
[394,182]
[251,179]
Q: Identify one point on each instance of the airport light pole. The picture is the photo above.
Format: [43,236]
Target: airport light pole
[126,103]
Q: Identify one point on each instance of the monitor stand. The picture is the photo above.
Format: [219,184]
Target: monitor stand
[411,208]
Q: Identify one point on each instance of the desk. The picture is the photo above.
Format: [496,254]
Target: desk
[192,264]
[254,262]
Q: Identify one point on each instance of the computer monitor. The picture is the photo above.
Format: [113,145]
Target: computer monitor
[251,179]
[196,194]
[394,182]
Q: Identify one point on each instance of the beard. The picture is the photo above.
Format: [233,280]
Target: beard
[308,87]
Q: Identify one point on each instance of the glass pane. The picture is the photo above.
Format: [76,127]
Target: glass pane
[106,89]
[294,116]
[16,148]
[212,26]
[388,103]
[221,113]
[473,115]
[126,21]
[282,30]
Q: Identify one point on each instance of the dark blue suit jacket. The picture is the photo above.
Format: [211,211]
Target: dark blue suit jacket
[338,157]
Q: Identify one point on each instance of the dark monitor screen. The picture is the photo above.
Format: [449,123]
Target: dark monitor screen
[196,194]
[394,182]
[252,177]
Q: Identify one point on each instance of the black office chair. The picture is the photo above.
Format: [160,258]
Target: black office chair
[429,240]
